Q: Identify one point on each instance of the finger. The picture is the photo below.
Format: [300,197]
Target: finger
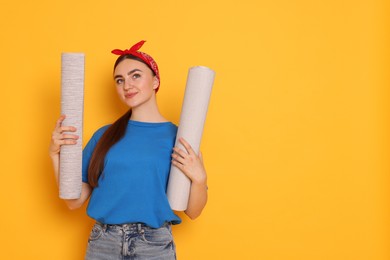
[180,152]
[69,136]
[60,120]
[67,142]
[200,156]
[178,158]
[60,128]
[178,165]
[186,145]
[68,129]
[57,143]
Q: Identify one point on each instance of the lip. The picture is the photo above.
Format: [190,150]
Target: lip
[130,95]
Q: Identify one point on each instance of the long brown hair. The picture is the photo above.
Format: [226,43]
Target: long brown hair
[110,137]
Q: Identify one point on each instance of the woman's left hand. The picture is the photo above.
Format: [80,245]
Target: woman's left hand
[189,162]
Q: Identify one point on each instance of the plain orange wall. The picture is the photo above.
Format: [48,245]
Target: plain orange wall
[296,141]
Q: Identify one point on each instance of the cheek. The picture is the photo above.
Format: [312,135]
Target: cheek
[148,86]
[119,91]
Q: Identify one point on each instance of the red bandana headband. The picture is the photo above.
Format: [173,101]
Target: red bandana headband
[143,56]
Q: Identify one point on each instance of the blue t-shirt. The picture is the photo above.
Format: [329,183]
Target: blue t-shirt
[133,184]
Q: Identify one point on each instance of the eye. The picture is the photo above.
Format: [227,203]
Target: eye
[119,81]
[136,76]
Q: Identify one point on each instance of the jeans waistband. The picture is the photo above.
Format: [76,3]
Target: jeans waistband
[140,227]
[125,227]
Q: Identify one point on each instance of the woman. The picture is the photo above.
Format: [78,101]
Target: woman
[126,167]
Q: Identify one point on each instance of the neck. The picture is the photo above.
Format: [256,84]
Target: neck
[148,113]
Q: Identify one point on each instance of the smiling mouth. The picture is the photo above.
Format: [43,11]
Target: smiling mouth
[130,95]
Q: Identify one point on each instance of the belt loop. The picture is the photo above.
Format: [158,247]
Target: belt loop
[103,226]
[139,228]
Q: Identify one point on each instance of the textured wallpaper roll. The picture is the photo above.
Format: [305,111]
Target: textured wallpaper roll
[193,115]
[72,102]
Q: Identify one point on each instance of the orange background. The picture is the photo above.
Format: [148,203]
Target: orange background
[296,142]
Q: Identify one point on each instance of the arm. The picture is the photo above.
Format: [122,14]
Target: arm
[192,166]
[60,138]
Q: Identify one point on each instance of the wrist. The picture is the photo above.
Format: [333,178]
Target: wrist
[200,182]
[54,155]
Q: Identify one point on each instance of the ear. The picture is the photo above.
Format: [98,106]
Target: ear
[155,83]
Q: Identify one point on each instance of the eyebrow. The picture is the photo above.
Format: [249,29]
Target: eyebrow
[128,73]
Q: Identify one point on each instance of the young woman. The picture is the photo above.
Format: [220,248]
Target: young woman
[126,167]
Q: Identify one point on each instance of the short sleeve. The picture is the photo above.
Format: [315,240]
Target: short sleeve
[88,151]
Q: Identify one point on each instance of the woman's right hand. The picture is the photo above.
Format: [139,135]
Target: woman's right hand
[62,135]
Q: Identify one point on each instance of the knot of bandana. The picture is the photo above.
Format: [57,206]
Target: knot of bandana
[143,56]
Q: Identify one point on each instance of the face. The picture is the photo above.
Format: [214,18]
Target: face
[135,83]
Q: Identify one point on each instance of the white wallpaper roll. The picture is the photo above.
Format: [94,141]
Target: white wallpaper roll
[192,118]
[72,104]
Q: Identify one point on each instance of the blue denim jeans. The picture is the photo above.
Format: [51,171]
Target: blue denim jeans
[130,241]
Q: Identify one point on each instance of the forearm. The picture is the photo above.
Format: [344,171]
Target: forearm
[77,203]
[197,200]
[55,159]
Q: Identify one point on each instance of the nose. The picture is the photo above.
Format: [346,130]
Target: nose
[128,84]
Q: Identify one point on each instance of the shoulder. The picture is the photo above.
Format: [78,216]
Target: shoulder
[99,133]
[172,126]
[89,148]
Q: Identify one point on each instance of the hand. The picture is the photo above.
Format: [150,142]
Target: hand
[59,138]
[189,163]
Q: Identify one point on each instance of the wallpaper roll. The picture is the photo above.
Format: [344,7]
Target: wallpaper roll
[192,118]
[72,103]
